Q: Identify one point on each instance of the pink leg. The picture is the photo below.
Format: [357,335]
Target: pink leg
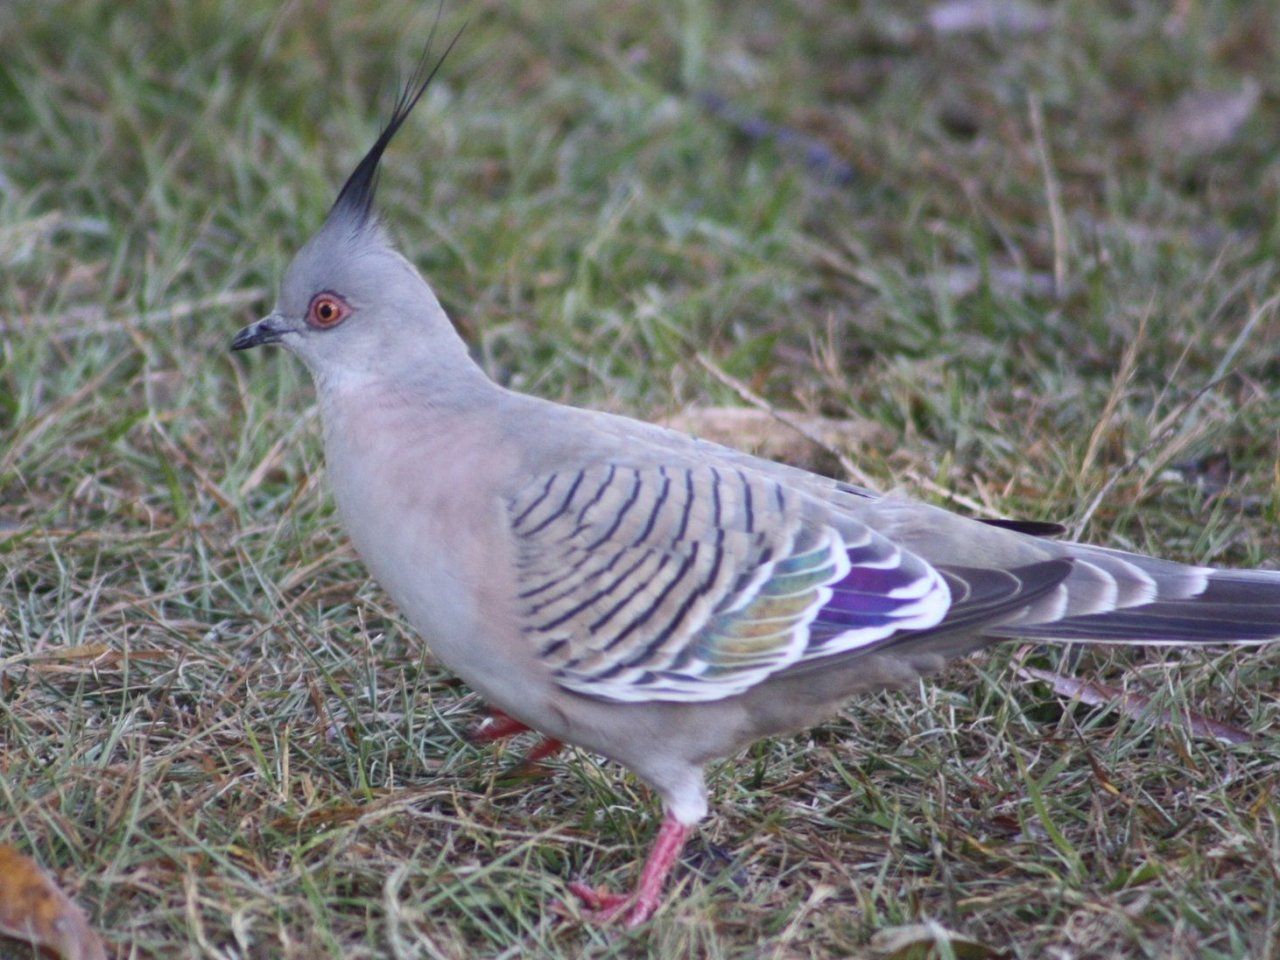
[605,907]
[497,726]
[500,725]
[546,747]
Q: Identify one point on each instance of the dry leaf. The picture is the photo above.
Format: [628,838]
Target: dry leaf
[762,433]
[34,910]
[1135,705]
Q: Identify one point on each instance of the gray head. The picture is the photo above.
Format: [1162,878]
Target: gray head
[351,307]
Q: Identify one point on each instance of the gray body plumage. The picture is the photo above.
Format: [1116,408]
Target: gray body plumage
[544,553]
[646,595]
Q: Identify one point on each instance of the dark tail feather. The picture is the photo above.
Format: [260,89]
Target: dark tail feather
[1235,606]
[980,597]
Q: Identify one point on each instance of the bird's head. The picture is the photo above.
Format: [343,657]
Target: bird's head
[351,306]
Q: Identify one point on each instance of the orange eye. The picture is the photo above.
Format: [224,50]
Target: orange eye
[327,310]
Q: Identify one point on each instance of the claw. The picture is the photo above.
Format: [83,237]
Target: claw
[604,907]
[600,906]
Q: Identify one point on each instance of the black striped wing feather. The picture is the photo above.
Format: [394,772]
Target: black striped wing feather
[697,583]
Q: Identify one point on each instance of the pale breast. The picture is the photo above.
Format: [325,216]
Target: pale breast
[418,497]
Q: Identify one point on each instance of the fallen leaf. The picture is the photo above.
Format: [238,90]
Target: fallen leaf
[34,910]
[799,441]
[1093,693]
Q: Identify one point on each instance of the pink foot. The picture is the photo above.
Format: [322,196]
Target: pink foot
[604,907]
[600,906]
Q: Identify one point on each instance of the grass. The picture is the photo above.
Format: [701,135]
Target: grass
[223,742]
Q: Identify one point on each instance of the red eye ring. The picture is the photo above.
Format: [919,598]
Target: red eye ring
[327,310]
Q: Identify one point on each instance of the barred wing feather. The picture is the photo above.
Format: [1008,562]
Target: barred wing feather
[697,583]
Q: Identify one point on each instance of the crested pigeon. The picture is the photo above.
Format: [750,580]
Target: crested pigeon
[661,600]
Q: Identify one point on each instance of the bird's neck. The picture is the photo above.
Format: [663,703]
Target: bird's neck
[443,378]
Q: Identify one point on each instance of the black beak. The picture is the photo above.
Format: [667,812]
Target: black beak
[270,329]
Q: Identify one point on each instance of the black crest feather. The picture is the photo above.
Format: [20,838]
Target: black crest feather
[355,199]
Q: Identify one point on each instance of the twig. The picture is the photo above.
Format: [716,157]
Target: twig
[1174,420]
[93,321]
[1053,195]
[1127,365]
[1169,428]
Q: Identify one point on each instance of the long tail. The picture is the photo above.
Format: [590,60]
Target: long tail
[1108,596]
[1117,597]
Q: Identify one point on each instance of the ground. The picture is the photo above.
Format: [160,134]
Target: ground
[1021,256]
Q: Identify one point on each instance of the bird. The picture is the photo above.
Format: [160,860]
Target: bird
[645,595]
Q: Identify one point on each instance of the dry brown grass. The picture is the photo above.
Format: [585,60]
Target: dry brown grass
[221,740]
